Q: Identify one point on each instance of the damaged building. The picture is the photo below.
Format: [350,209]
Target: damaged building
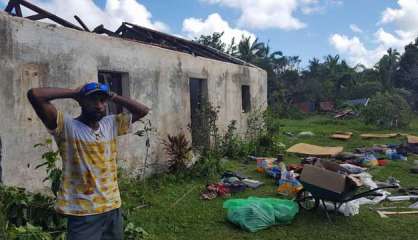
[171,75]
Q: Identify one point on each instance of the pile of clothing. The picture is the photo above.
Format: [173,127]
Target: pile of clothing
[231,182]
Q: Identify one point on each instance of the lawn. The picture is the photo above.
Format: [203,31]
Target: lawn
[175,211]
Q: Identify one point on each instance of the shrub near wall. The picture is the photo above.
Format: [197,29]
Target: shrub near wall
[387,110]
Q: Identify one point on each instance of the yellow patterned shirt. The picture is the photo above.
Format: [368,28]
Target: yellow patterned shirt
[89,182]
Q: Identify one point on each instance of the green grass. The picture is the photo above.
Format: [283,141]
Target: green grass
[191,218]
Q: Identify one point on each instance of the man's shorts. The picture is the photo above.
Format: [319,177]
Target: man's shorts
[104,226]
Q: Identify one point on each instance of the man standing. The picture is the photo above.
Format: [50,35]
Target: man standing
[89,194]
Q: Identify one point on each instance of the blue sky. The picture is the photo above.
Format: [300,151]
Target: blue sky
[360,31]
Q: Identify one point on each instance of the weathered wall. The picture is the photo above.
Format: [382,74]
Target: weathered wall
[34,54]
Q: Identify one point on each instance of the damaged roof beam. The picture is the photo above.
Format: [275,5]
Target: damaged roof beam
[81,23]
[36,17]
[18,10]
[101,29]
[10,6]
[16,4]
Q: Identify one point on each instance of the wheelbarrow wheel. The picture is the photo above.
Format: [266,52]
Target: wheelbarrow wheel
[307,201]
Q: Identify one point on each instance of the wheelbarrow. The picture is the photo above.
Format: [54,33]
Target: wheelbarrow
[311,196]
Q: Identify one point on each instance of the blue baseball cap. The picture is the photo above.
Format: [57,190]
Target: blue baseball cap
[94,87]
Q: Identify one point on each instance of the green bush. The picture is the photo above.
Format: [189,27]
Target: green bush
[178,149]
[208,166]
[387,110]
[21,211]
[50,159]
[3,222]
[29,232]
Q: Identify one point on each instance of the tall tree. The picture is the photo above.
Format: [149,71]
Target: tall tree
[386,68]
[406,75]
[251,51]
[214,41]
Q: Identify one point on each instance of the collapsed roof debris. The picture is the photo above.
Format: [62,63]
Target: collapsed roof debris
[128,31]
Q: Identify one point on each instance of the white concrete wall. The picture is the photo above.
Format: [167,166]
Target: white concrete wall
[36,54]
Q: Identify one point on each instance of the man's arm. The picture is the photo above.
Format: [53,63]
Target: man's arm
[41,98]
[138,110]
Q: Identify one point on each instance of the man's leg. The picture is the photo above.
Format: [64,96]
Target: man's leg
[86,227]
[114,226]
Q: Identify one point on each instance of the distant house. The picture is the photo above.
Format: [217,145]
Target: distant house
[326,106]
[169,74]
[305,107]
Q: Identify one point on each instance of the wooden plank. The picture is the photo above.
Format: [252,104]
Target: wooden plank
[36,17]
[10,6]
[18,10]
[48,14]
[81,23]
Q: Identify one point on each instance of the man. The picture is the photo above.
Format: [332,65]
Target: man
[89,193]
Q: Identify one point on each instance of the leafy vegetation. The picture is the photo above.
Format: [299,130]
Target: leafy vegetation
[331,79]
[387,110]
[51,158]
[29,215]
[193,218]
[178,150]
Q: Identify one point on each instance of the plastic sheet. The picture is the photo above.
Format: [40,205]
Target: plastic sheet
[254,214]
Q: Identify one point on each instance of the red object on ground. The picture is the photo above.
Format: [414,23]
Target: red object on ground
[383,162]
[295,167]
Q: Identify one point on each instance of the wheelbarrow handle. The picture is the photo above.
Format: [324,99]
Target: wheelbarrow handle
[367,193]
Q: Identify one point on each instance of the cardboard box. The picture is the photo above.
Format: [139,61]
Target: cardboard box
[324,178]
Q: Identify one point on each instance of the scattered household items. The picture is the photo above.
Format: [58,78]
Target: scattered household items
[402,198]
[288,184]
[252,183]
[377,135]
[358,102]
[231,182]
[344,114]
[314,150]
[254,214]
[306,134]
[310,160]
[342,135]
[385,214]
[383,162]
[392,154]
[234,184]
[328,182]
[334,185]
[213,191]
[393,181]
[412,139]
[347,209]
[264,163]
[353,169]
[414,206]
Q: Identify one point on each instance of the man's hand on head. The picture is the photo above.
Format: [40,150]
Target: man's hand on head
[77,93]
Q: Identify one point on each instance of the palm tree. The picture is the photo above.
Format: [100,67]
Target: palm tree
[251,51]
[387,66]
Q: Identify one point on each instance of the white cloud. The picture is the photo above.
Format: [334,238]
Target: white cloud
[194,27]
[404,18]
[114,13]
[353,49]
[262,14]
[355,28]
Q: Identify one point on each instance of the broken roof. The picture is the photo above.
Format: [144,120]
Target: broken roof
[128,31]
